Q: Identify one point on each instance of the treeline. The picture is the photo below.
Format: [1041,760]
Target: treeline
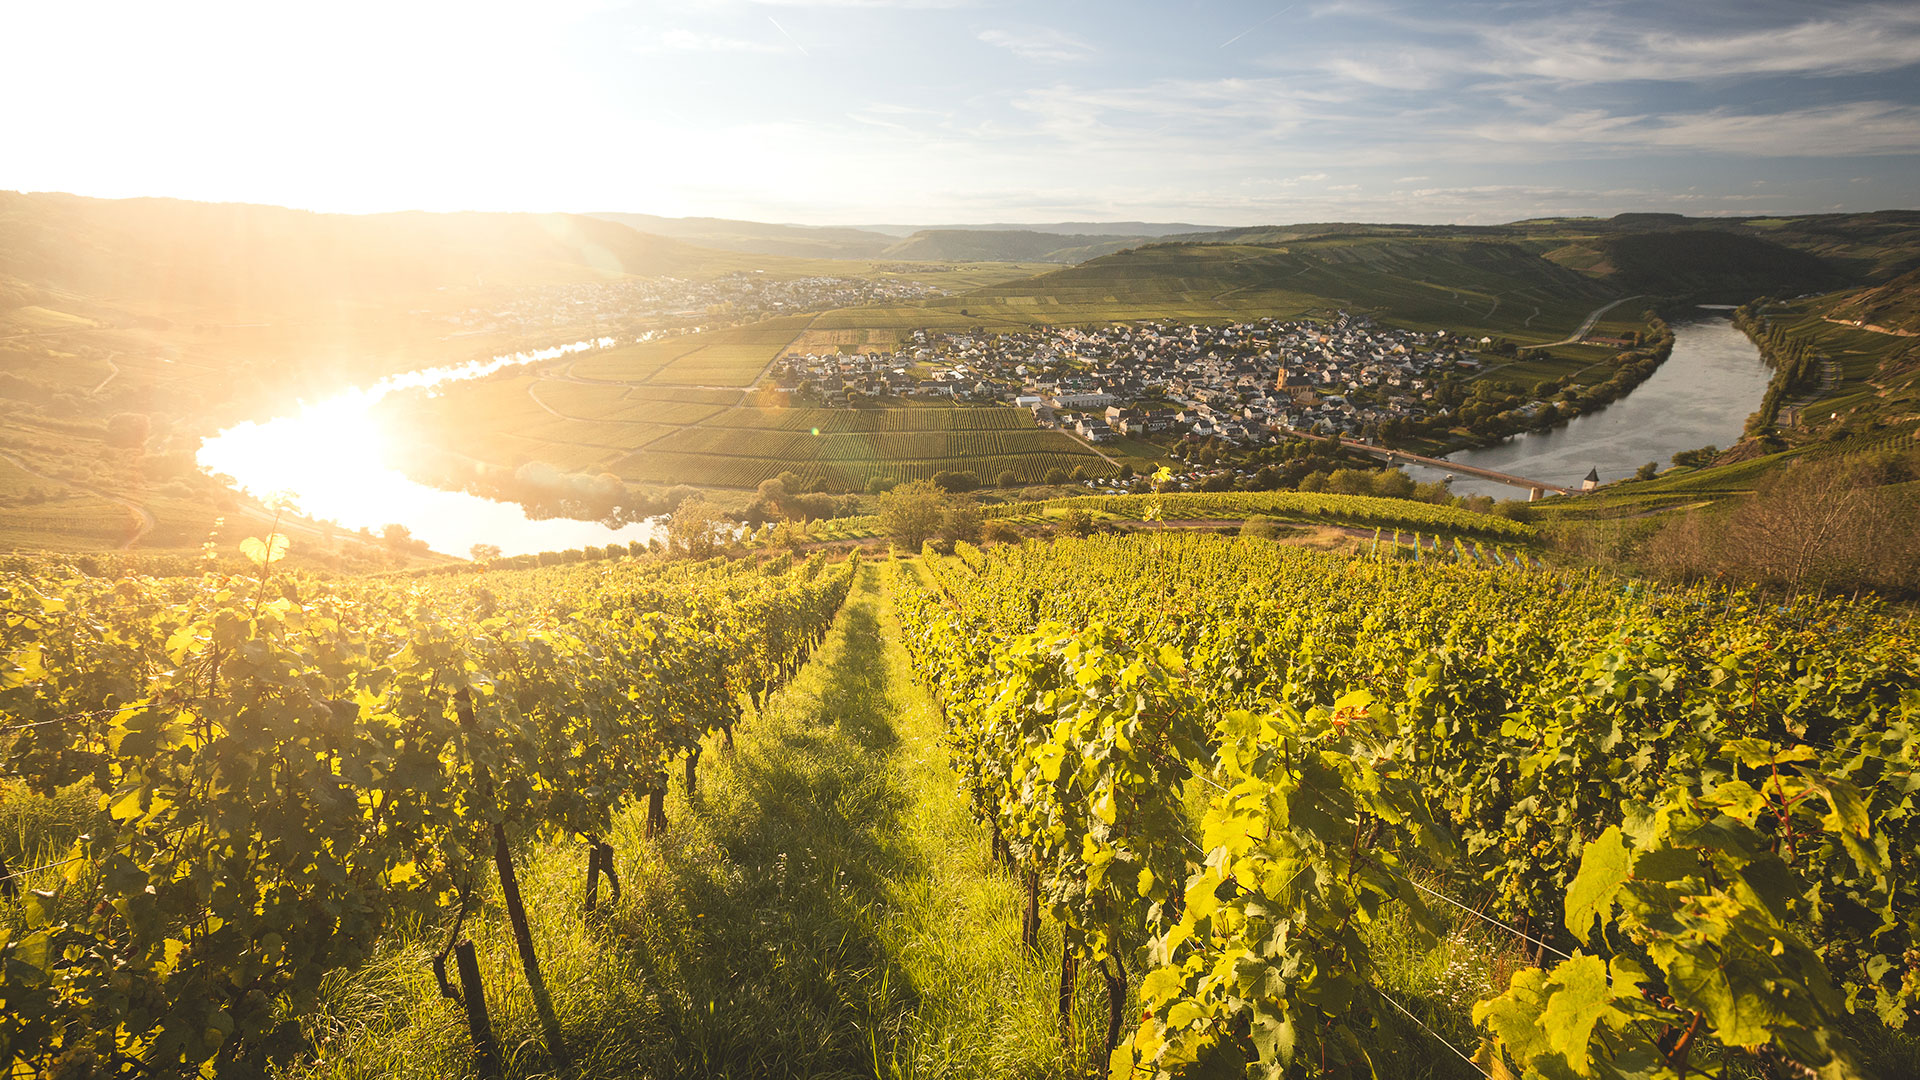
[1795,364]
[1491,412]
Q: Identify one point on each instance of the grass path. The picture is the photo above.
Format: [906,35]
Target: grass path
[823,907]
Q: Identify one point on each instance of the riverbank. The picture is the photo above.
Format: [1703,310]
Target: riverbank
[1712,380]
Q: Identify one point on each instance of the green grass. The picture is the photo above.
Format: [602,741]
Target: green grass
[823,908]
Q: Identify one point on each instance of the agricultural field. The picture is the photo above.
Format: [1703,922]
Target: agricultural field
[846,448]
[1086,773]
[732,357]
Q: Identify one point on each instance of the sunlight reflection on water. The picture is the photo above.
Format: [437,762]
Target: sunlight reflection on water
[332,457]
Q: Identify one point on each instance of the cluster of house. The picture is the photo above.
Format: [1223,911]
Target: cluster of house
[735,298]
[1241,382]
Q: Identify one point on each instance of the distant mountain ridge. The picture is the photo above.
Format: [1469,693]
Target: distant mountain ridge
[1070,228]
[761,238]
[982,245]
[1065,241]
[239,257]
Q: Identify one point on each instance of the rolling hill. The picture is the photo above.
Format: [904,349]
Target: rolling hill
[761,238]
[1464,284]
[1893,306]
[245,260]
[1013,245]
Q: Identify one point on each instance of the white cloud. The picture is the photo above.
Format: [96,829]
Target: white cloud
[1039,43]
[696,41]
[1868,40]
[1850,130]
[1598,45]
[903,4]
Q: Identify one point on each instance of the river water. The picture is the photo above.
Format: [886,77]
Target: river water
[333,460]
[1701,396]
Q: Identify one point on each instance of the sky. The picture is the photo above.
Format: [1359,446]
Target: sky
[956,111]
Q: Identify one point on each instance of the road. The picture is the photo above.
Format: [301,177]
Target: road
[1592,318]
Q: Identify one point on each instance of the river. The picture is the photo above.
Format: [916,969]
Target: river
[1701,396]
[332,458]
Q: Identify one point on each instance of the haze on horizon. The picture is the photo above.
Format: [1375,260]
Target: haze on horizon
[857,111]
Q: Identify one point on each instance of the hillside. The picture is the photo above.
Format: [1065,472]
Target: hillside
[761,238]
[1705,265]
[1462,284]
[1893,306]
[1672,252]
[246,260]
[1155,229]
[1014,245]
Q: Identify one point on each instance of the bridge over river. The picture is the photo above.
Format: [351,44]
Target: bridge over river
[1535,488]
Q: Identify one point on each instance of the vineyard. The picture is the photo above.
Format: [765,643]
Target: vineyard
[282,769]
[845,448]
[1218,798]
[1696,809]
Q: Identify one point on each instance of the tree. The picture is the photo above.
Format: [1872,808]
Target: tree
[955,480]
[772,498]
[484,553]
[396,536]
[1261,527]
[912,512]
[697,528]
[1077,521]
[1350,482]
[962,521]
[1008,478]
[129,430]
[1648,471]
[999,532]
[1056,476]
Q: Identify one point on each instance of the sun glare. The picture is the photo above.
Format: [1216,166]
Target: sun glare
[334,459]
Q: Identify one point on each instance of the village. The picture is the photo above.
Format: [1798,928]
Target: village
[1243,383]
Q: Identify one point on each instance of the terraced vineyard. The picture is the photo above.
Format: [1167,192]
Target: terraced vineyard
[1226,762]
[1225,808]
[848,447]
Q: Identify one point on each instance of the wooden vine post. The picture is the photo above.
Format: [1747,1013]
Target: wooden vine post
[474,999]
[510,895]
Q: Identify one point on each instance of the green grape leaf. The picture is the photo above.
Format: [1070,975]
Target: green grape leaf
[1161,984]
[1579,998]
[1699,983]
[1605,865]
[1514,1017]
[265,552]
[38,906]
[1849,809]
